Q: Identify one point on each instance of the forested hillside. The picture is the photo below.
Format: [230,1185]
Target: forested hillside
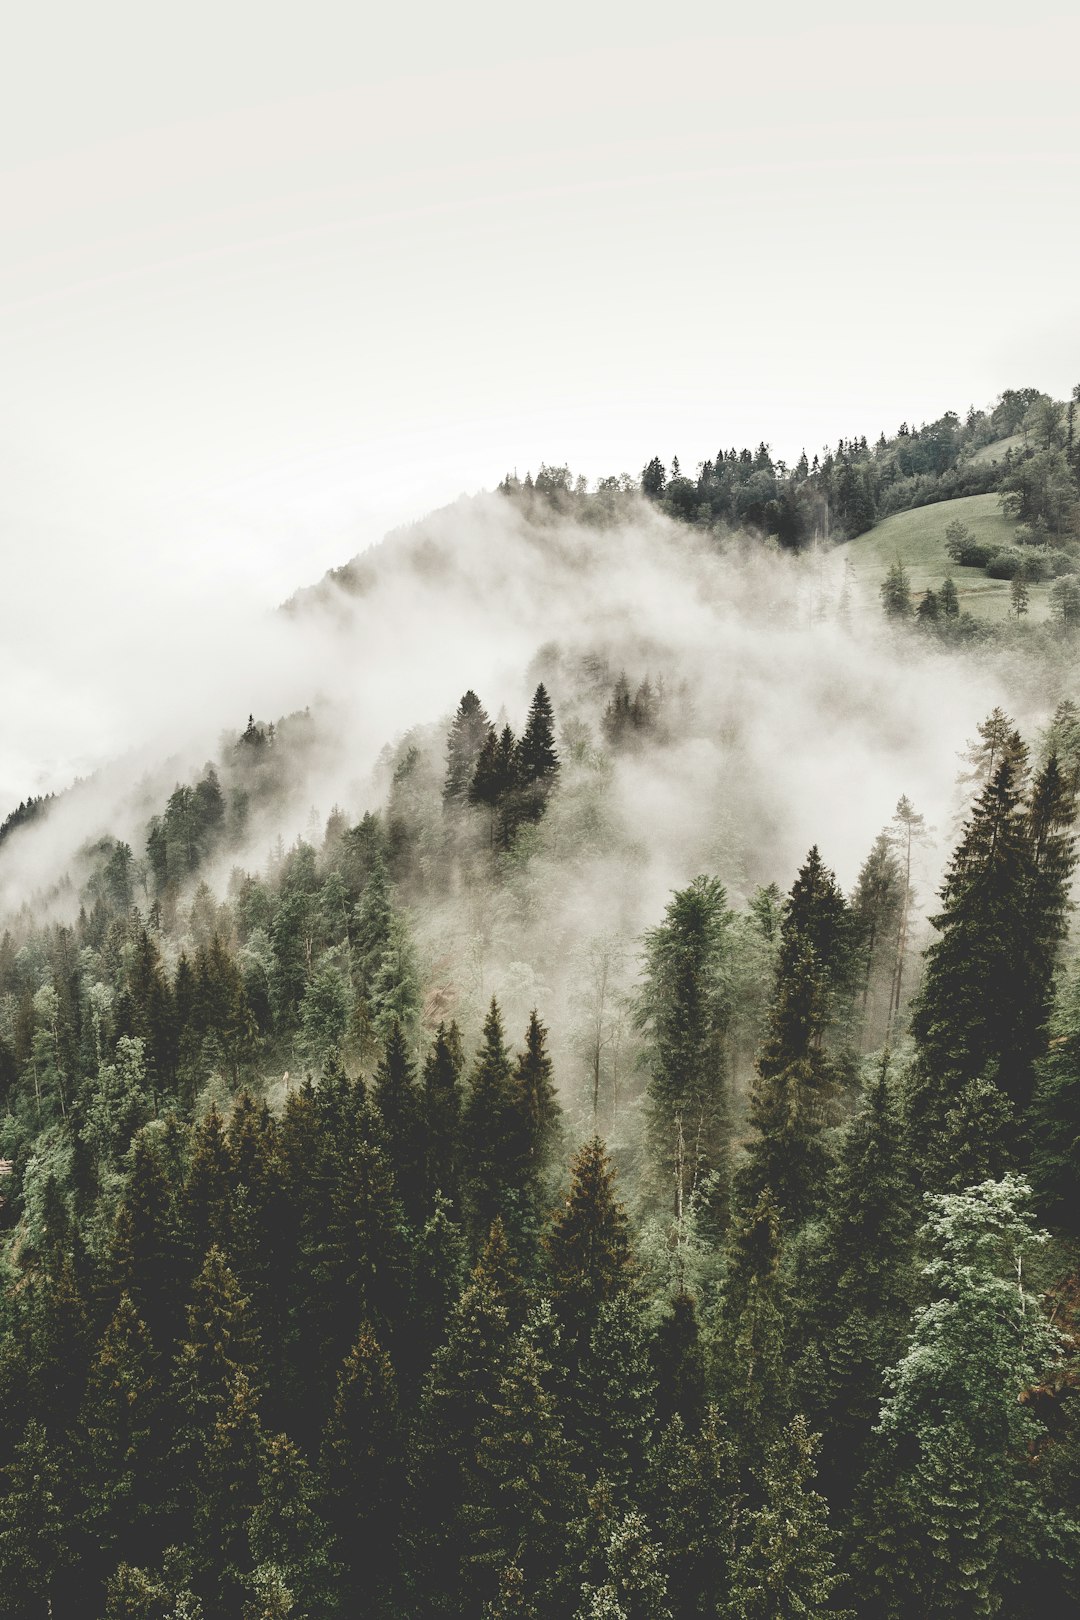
[580,1118]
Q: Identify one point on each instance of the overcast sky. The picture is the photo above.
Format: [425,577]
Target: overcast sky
[274,277]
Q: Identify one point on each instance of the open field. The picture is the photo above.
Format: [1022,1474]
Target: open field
[917,538]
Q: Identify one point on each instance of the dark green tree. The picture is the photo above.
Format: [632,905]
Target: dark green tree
[684,1009]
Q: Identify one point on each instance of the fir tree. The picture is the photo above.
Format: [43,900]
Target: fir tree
[466,738]
[949,1519]
[491,1135]
[119,1435]
[396,1107]
[785,1567]
[35,1541]
[797,1080]
[361,1465]
[587,1249]
[442,1100]
[684,1007]
[752,1347]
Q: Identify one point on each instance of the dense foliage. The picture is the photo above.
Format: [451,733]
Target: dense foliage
[327,1294]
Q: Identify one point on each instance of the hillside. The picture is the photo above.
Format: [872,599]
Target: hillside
[917,539]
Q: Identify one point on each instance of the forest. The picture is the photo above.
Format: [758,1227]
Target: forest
[620,1159]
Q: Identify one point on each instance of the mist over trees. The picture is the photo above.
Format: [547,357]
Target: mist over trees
[487,1204]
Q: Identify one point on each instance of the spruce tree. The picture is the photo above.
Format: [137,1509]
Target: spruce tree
[459,1402]
[362,1463]
[693,1496]
[985,996]
[537,759]
[752,1336]
[120,1437]
[466,738]
[587,1248]
[490,1135]
[785,1567]
[949,1522]
[684,1009]
[442,1103]
[396,1109]
[854,1289]
[1055,1115]
[797,1077]
[36,1549]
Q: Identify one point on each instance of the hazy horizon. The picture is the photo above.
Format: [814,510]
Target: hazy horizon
[273,286]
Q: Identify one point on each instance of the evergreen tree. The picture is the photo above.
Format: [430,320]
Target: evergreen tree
[119,1435]
[854,1291]
[587,1249]
[693,1500]
[527,1493]
[491,1135]
[460,1398]
[895,592]
[442,1100]
[464,743]
[684,1008]
[752,1337]
[286,1532]
[679,1360]
[396,1106]
[362,1463]
[950,1522]
[1055,1159]
[539,1122]
[632,1581]
[35,1542]
[225,1500]
[537,759]
[985,996]
[785,1567]
[797,1079]
[949,600]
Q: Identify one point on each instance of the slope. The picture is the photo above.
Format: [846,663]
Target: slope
[917,538]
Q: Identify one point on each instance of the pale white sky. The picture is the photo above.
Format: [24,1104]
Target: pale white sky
[276,276]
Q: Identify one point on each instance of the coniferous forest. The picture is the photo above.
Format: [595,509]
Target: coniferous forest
[506,1154]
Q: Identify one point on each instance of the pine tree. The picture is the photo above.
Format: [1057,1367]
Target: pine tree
[119,1435]
[35,1543]
[460,1398]
[361,1466]
[785,1567]
[684,1008]
[466,738]
[796,1082]
[949,1521]
[1055,1115]
[490,1135]
[442,1101]
[587,1249]
[612,1400]
[396,1108]
[988,978]
[895,592]
[226,1496]
[679,1361]
[146,1259]
[539,1125]
[752,1337]
[537,759]
[853,1294]
[527,1493]
[632,1583]
[949,600]
[693,1497]
[286,1532]
[218,1345]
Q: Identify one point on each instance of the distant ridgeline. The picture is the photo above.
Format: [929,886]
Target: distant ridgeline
[28,810]
[1027,448]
